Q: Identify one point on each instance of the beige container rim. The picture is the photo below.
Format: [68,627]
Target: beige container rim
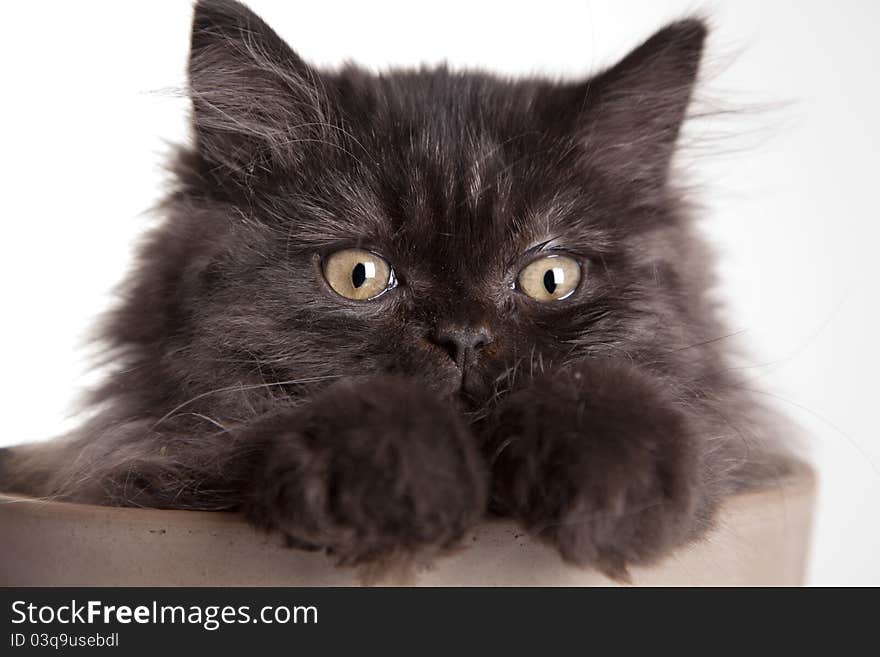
[761,538]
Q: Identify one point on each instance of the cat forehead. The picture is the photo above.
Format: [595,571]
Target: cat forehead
[467,216]
[443,160]
[443,110]
[442,151]
[421,196]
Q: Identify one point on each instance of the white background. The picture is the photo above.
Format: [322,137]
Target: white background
[87,106]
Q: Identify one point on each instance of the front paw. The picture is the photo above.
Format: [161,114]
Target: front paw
[372,471]
[600,462]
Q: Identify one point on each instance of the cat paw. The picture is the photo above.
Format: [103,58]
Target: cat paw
[374,472]
[599,462]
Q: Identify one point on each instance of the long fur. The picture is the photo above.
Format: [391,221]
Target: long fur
[608,423]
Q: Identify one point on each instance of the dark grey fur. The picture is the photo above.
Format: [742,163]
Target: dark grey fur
[608,423]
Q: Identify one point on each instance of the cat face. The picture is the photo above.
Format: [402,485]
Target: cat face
[448,226]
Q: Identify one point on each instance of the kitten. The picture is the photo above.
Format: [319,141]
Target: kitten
[383,306]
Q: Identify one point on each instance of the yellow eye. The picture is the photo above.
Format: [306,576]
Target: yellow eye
[550,278]
[357,274]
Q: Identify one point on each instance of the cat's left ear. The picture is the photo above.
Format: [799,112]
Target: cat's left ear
[254,100]
[630,115]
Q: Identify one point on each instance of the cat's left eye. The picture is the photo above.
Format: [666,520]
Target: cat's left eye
[357,274]
[551,278]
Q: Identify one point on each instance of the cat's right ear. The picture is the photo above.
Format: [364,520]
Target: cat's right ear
[630,115]
[252,95]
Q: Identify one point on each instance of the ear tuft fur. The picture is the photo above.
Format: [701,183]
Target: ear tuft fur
[253,98]
[633,112]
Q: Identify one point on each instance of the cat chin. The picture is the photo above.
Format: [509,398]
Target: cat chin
[468,387]
[471,393]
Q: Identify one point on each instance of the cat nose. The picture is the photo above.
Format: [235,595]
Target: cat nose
[461,342]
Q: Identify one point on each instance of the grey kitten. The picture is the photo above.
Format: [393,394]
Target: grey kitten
[381,307]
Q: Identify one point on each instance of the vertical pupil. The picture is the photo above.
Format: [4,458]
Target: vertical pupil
[550,281]
[358,275]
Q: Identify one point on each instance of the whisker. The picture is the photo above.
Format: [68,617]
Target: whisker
[241,387]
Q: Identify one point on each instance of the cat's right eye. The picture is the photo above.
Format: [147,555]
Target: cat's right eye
[550,278]
[358,274]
